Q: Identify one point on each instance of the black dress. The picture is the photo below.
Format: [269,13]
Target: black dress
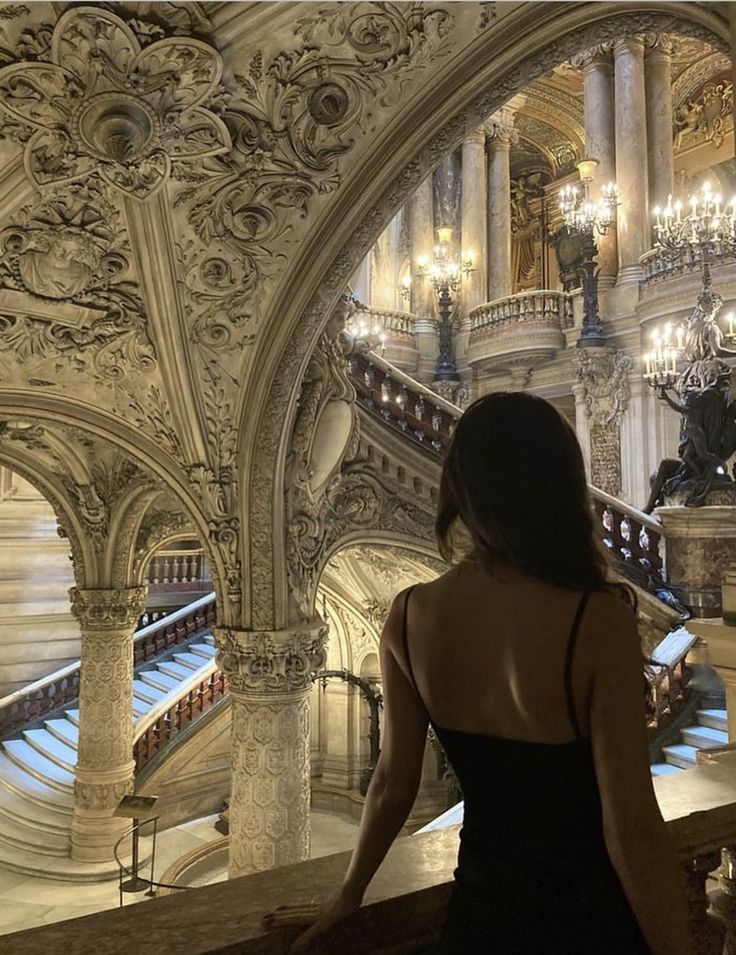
[533,872]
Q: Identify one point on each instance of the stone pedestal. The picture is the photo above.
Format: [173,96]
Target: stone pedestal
[701,548]
[104,772]
[270,674]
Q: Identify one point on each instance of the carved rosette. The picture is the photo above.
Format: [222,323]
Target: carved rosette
[603,375]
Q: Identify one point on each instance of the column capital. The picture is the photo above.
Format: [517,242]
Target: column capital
[499,129]
[600,55]
[659,44]
[476,137]
[271,661]
[628,44]
[108,610]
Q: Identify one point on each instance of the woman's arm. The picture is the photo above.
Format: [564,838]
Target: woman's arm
[636,836]
[391,793]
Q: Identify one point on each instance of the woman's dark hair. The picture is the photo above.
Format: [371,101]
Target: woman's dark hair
[514,475]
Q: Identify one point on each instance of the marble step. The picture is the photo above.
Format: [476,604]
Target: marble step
[72,715]
[716,719]
[52,748]
[38,766]
[19,807]
[13,777]
[27,862]
[664,769]
[207,650]
[680,755]
[159,681]
[703,737]
[177,671]
[64,730]
[147,693]
[140,708]
[207,638]
[193,660]
[17,835]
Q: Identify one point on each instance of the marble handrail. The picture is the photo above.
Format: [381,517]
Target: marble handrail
[535,305]
[388,320]
[660,264]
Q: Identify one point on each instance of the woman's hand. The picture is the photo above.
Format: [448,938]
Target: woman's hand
[317,918]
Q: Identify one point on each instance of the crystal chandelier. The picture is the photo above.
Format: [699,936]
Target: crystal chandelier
[708,229]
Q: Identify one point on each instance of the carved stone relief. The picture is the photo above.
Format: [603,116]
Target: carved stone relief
[706,117]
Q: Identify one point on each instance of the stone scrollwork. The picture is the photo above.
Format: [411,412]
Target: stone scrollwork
[65,293]
[706,116]
[113,108]
[602,374]
[108,610]
[284,661]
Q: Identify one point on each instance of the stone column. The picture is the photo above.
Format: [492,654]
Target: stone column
[270,674]
[421,228]
[602,375]
[658,85]
[474,239]
[104,772]
[633,224]
[499,135]
[600,141]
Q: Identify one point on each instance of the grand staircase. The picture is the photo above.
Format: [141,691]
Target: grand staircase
[37,771]
[710,731]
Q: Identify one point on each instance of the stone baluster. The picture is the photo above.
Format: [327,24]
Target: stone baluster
[600,141]
[104,772]
[658,85]
[499,135]
[633,226]
[270,674]
[421,227]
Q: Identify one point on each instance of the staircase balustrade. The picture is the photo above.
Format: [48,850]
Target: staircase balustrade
[392,323]
[173,570]
[630,535]
[57,690]
[161,727]
[539,305]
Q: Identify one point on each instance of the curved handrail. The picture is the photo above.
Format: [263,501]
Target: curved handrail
[523,306]
[61,687]
[388,319]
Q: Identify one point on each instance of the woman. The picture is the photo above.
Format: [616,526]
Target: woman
[528,665]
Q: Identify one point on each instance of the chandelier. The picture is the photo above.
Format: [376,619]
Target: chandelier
[581,214]
[708,229]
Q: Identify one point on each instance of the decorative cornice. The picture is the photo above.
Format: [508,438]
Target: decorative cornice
[268,661]
[108,610]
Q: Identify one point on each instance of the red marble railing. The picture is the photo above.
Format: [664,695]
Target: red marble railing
[630,535]
[164,726]
[49,694]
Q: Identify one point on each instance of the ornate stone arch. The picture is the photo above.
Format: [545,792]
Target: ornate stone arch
[478,86]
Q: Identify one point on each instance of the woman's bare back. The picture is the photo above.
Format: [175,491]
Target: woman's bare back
[488,653]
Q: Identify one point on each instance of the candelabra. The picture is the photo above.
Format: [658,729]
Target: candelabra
[446,275]
[581,216]
[686,363]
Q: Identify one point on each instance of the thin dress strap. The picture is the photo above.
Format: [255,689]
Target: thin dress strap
[405,640]
[568,663]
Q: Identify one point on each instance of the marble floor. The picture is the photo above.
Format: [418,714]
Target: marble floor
[26,902]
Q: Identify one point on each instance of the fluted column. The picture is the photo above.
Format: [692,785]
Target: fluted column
[104,772]
[658,84]
[270,674]
[600,141]
[421,227]
[631,158]
[499,135]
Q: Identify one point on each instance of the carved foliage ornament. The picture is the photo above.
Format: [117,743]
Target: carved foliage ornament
[102,104]
[263,661]
[603,374]
[108,610]
[64,293]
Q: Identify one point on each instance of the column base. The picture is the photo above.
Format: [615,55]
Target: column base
[630,275]
[95,830]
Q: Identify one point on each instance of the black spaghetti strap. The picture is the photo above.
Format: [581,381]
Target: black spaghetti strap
[405,640]
[568,663]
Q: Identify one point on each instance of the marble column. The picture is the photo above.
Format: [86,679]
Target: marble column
[104,771]
[474,240]
[270,674]
[658,86]
[499,135]
[633,226]
[421,228]
[600,141]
